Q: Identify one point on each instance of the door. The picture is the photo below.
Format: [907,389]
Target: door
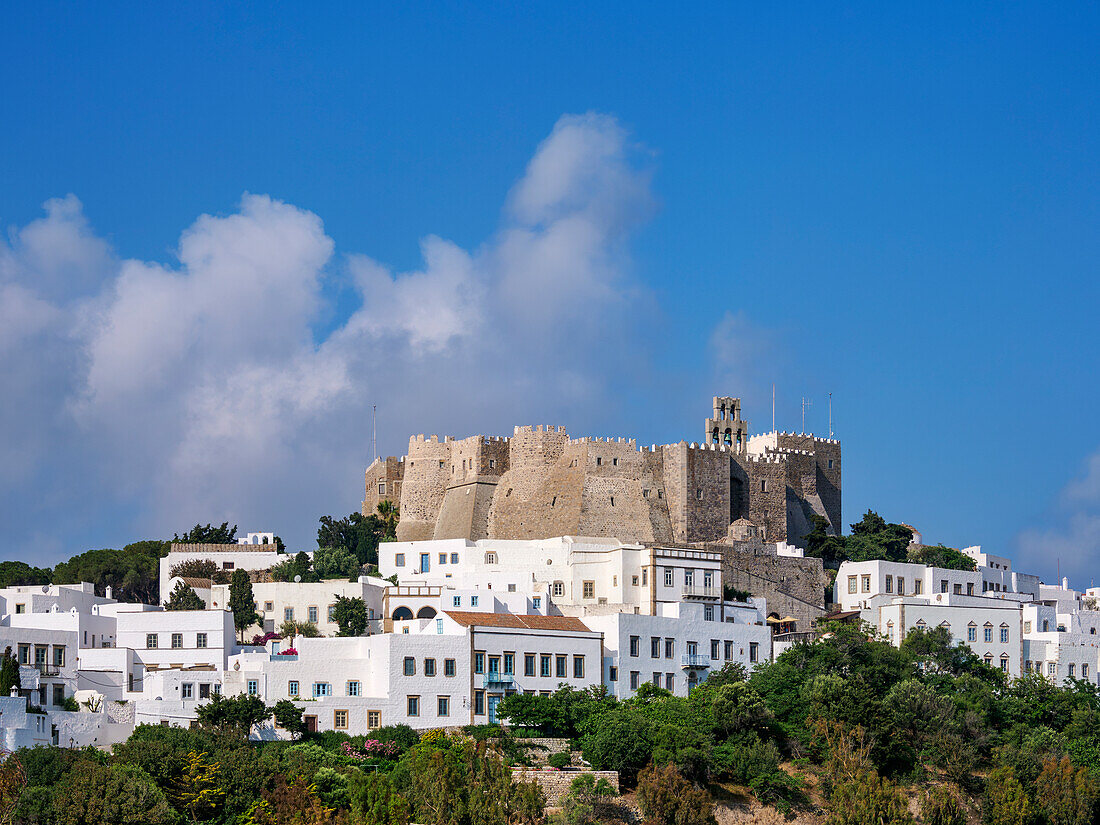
[311,723]
[494,700]
[424,562]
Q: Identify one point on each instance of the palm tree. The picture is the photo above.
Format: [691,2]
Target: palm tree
[387,512]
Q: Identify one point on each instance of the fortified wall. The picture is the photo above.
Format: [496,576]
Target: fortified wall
[541,483]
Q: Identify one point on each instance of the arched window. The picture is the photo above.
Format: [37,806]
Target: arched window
[426,613]
[728,437]
[402,614]
[714,435]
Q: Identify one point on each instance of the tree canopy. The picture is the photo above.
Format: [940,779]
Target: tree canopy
[184,598]
[222,534]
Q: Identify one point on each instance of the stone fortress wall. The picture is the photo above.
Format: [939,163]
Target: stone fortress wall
[540,483]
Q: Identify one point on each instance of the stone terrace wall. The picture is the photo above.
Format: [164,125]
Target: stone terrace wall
[555,784]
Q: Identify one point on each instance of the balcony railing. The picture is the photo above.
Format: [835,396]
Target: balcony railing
[494,679]
[695,660]
[701,591]
[46,669]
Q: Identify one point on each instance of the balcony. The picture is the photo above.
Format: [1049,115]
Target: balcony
[502,680]
[47,670]
[695,660]
[701,591]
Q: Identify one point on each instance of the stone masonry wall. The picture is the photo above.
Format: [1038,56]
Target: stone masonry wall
[555,784]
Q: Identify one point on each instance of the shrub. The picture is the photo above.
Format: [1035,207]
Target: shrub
[1006,802]
[562,759]
[868,798]
[666,798]
[940,807]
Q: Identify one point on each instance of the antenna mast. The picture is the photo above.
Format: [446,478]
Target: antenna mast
[773,408]
[805,403]
[830,415]
[374,431]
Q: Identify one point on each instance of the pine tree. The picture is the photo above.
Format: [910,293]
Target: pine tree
[242,602]
[184,598]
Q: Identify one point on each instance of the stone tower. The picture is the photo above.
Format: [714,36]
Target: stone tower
[725,425]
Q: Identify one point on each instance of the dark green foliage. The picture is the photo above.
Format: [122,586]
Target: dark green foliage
[562,759]
[133,576]
[289,716]
[939,556]
[667,798]
[335,563]
[9,673]
[15,573]
[242,602]
[871,538]
[184,598]
[201,569]
[350,614]
[357,534]
[97,795]
[238,714]
[224,534]
[295,568]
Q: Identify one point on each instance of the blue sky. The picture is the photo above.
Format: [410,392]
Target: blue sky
[597,216]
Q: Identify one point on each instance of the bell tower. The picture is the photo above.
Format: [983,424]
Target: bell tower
[725,425]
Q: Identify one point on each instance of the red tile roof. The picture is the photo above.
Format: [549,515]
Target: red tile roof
[534,622]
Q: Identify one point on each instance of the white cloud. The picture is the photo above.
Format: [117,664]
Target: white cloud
[196,390]
[1071,539]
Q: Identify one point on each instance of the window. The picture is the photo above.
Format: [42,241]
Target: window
[668,577]
[536,602]
[970,588]
[763,485]
[448,667]
[708,613]
[943,585]
[227,565]
[654,647]
[253,687]
[589,590]
[288,614]
[1051,668]
[443,705]
[340,719]
[186,690]
[20,608]
[866,583]
[381,488]
[957,589]
[889,584]
[1027,627]
[490,558]
[645,577]
[670,648]
[439,626]
[200,640]
[321,689]
[398,559]
[599,461]
[1004,635]
[528,664]
[559,589]
[311,613]
[413,705]
[492,463]
[727,650]
[972,633]
[177,641]
[59,655]
[1085,670]
[410,666]
[1072,670]
[635,644]
[473,601]
[670,681]
[578,667]
[40,653]
[150,641]
[988,634]
[852,584]
[353,688]
[634,677]
[374,719]
[689,578]
[456,601]
[59,693]
[204,690]
[24,654]
[560,667]
[292,688]
[429,667]
[544,665]
[479,703]
[454,558]
[901,586]
[509,663]
[754,651]
[918,586]
[715,650]
[656,678]
[479,662]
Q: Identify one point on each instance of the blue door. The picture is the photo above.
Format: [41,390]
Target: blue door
[423,562]
[493,702]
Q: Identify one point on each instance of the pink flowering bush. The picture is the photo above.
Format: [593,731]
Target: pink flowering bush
[288,652]
[371,749]
[259,640]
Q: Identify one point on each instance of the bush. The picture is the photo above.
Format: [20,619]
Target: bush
[666,798]
[868,798]
[1006,802]
[560,760]
[940,807]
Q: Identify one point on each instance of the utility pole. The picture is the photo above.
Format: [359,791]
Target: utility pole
[805,403]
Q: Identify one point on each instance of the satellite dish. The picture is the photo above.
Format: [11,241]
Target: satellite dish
[297,579]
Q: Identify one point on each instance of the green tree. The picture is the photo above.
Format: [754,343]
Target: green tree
[666,798]
[184,598]
[242,602]
[386,512]
[17,573]
[351,616]
[289,717]
[359,535]
[868,799]
[1006,801]
[201,569]
[196,789]
[587,795]
[237,714]
[9,673]
[335,563]
[939,556]
[132,576]
[224,534]
[98,795]
[298,567]
[291,628]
